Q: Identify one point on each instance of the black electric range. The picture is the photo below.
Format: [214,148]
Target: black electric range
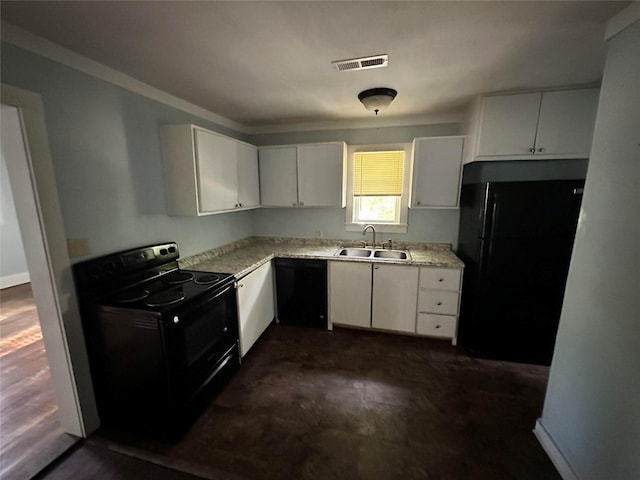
[160,339]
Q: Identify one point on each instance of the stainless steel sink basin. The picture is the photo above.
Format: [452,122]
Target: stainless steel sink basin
[391,254]
[373,254]
[354,252]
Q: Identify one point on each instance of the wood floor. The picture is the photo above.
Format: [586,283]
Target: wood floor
[353,405]
[30,433]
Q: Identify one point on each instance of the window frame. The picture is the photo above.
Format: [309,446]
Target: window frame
[400,227]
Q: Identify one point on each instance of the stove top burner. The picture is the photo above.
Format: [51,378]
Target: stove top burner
[131,296]
[175,278]
[207,278]
[164,298]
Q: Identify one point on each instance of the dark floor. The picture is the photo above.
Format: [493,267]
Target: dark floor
[30,432]
[313,404]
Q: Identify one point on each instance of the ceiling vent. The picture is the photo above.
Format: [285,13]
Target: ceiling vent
[362,63]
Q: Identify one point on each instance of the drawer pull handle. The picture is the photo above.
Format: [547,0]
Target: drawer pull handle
[441,279]
[439,303]
[437,326]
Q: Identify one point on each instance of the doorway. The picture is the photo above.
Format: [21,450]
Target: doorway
[50,292]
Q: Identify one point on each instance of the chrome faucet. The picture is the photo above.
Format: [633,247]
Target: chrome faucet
[373,229]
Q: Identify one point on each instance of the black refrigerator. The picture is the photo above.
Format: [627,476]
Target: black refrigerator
[516,240]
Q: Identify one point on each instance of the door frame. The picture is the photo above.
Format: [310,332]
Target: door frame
[32,178]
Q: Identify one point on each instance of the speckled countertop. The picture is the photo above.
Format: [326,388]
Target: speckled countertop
[241,258]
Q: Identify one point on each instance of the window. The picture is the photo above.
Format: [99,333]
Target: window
[377,187]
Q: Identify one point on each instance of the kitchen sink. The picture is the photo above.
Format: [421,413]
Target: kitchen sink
[354,252]
[373,254]
[391,254]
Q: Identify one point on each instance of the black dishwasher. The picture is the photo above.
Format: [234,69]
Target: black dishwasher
[301,291]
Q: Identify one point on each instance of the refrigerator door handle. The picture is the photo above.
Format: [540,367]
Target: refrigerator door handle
[495,210]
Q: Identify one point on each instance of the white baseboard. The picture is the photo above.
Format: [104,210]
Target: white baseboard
[554,453]
[15,279]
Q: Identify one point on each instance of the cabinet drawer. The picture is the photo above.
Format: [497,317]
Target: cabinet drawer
[436,301]
[436,325]
[440,278]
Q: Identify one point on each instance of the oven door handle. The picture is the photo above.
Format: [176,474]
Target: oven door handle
[220,293]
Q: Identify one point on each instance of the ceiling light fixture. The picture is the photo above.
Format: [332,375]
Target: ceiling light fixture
[377,99]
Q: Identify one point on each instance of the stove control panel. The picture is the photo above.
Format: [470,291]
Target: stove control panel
[116,265]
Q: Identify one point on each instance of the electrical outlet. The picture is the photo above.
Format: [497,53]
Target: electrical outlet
[78,247]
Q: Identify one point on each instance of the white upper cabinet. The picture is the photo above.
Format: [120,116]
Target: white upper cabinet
[302,175]
[320,174]
[217,171]
[437,169]
[248,178]
[567,119]
[508,125]
[207,173]
[278,176]
[550,124]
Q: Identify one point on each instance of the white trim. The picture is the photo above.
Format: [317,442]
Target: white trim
[30,169]
[374,122]
[554,453]
[15,279]
[622,20]
[41,46]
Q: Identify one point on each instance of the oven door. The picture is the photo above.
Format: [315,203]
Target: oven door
[201,340]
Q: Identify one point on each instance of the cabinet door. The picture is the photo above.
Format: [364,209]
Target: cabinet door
[437,164]
[567,118]
[248,179]
[256,308]
[394,297]
[278,177]
[350,293]
[217,171]
[508,124]
[320,175]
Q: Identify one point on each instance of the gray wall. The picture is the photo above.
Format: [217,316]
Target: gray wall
[592,406]
[106,152]
[424,225]
[12,258]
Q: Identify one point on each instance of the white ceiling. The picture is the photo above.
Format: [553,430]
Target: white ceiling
[268,63]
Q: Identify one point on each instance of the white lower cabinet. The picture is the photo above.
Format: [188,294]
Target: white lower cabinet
[395,291]
[368,295]
[399,298]
[439,302]
[256,308]
[350,293]
[443,326]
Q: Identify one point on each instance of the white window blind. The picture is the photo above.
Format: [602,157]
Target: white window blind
[378,173]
